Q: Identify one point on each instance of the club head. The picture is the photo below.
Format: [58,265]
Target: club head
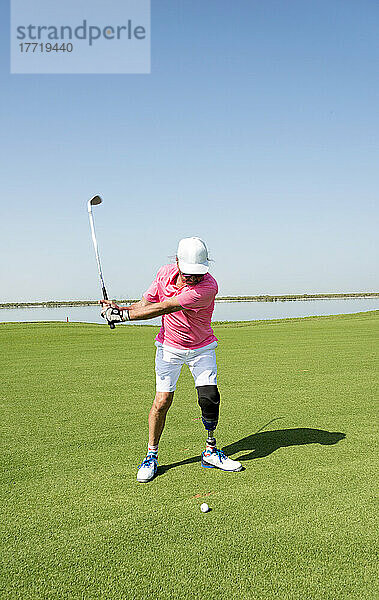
[93,202]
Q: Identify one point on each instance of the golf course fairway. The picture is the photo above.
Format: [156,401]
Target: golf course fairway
[298,411]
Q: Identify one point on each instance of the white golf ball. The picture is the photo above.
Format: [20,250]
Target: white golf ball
[204,507]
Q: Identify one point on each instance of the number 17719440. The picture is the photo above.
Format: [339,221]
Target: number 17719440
[45,47]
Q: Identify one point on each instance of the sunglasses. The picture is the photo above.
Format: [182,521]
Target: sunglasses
[192,276]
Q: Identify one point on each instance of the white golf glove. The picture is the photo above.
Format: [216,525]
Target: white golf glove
[115,315]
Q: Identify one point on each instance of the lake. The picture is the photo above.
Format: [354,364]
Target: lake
[224,311]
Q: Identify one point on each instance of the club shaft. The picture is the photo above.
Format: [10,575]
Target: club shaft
[94,240]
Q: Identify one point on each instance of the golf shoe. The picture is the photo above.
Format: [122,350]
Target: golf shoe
[147,469]
[214,458]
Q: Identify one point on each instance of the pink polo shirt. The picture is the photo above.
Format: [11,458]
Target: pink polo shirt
[191,327]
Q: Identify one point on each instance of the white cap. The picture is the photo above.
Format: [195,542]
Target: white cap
[193,256]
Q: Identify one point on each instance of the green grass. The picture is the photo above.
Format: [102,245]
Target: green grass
[297,523]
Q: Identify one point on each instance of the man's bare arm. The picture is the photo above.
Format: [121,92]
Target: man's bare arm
[143,310]
[148,310]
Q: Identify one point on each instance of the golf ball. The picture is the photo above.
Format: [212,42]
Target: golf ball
[204,507]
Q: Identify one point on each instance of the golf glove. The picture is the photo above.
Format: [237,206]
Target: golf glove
[115,315]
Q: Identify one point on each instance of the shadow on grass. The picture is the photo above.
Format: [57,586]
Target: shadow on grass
[262,444]
[259,445]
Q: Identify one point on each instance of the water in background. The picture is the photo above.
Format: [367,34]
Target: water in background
[224,311]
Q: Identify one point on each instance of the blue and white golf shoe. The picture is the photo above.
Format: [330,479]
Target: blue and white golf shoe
[147,469]
[215,458]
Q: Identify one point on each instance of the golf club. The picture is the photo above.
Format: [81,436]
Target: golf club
[94,202]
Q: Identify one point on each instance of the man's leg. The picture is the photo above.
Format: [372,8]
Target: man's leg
[157,416]
[167,368]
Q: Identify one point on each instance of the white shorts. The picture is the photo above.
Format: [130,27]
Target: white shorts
[169,362]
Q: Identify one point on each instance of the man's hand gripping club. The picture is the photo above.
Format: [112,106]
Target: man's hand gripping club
[114,313]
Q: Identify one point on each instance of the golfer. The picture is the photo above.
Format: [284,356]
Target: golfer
[183,294]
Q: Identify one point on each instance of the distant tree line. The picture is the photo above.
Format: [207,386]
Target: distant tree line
[288,297]
[262,298]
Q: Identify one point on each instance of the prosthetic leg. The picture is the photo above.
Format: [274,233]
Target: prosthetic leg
[209,402]
[212,457]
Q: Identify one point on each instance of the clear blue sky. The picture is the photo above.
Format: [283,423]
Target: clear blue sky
[257,130]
